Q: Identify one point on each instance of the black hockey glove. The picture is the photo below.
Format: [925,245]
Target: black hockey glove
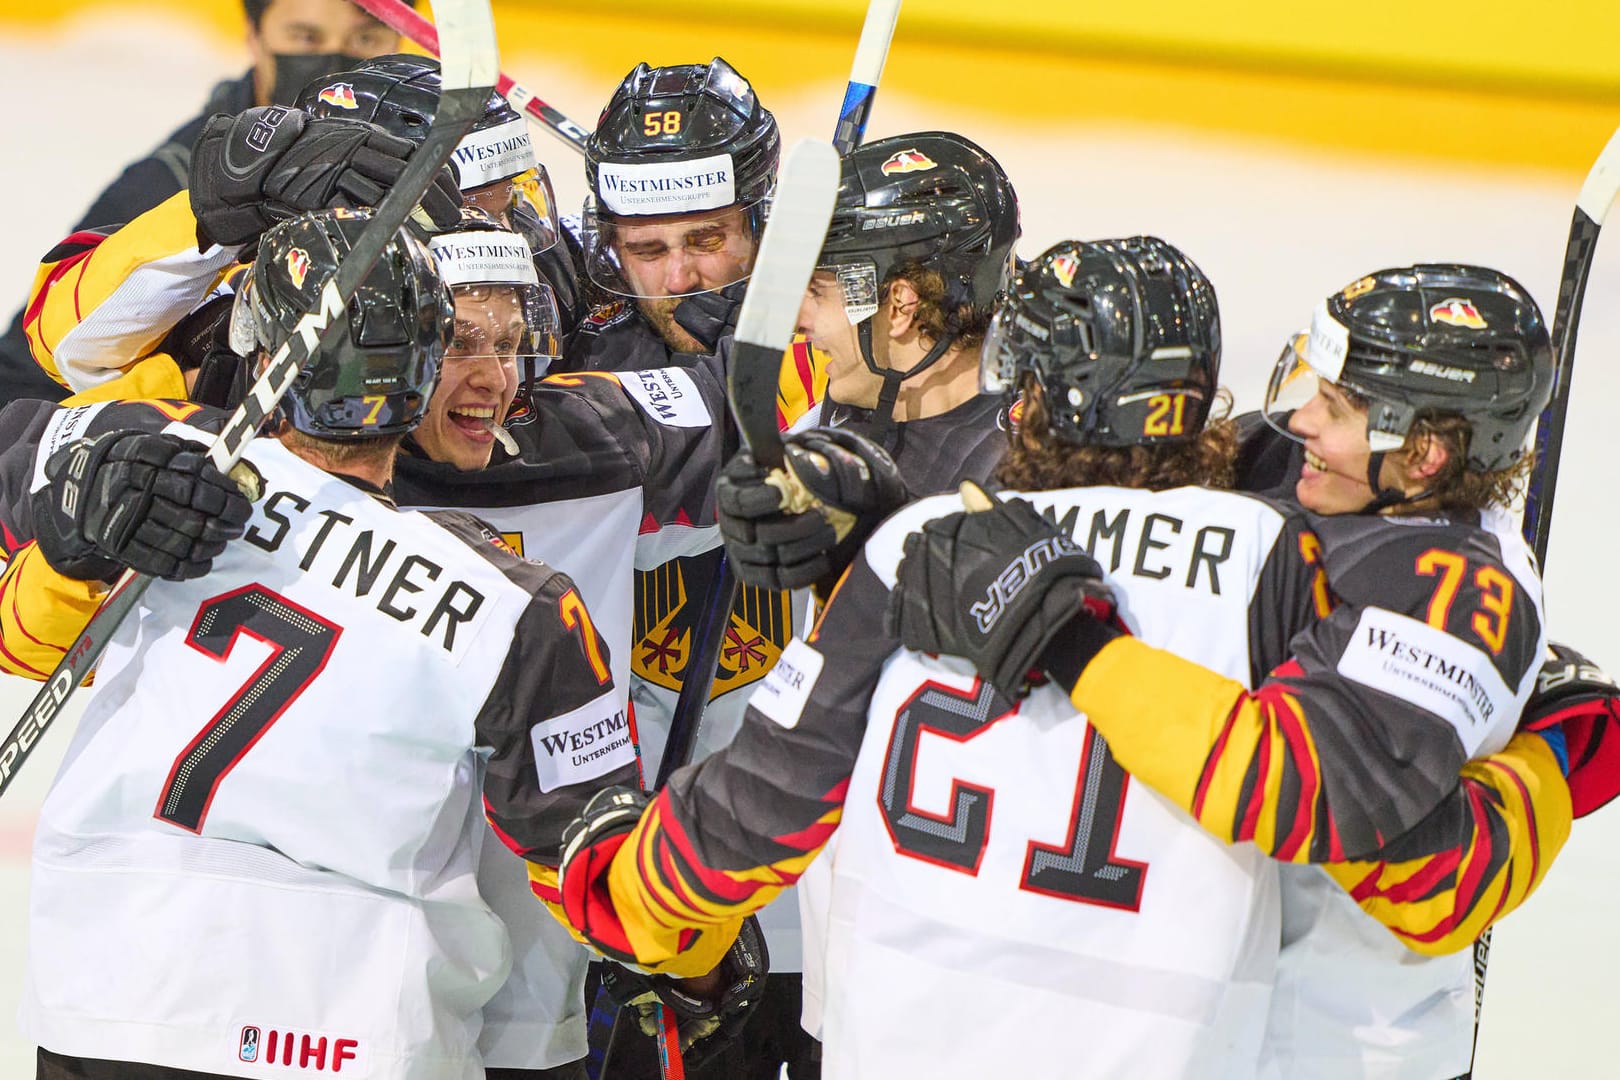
[148,501]
[782,534]
[711,316]
[706,1021]
[997,586]
[1576,708]
[269,164]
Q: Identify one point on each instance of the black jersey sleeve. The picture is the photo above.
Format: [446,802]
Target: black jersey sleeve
[557,727]
[728,834]
[1359,737]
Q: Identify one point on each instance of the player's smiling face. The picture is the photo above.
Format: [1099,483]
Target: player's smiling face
[1333,426]
[824,319]
[478,379]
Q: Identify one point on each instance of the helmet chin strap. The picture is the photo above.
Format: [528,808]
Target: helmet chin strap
[1386,498]
[883,419]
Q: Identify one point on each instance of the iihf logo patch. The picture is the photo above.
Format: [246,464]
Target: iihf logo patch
[339,94]
[298,266]
[248,1047]
[908,161]
[1458,311]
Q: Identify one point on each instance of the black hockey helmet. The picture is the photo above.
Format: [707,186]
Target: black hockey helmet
[481,258]
[689,140]
[1123,336]
[1431,338]
[675,122]
[377,377]
[400,94]
[933,198]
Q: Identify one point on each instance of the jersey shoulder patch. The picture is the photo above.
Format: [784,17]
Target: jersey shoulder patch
[668,395]
[605,316]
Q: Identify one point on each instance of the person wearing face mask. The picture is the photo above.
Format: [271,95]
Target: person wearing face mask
[290,42]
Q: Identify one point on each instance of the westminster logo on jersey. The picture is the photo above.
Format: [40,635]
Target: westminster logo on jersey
[668,603]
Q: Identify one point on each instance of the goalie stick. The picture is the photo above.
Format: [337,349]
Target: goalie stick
[1592,205]
[469,77]
[404,20]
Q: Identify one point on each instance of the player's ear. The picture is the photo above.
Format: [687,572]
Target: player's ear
[1426,455]
[902,303]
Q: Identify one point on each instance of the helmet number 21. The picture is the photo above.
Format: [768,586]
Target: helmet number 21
[667,122]
[1165,415]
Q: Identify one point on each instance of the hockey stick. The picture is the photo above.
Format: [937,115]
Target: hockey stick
[787,254]
[404,20]
[469,77]
[1592,205]
[864,73]
[770,312]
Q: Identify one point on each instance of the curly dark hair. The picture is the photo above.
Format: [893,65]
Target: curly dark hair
[1456,486]
[1208,460]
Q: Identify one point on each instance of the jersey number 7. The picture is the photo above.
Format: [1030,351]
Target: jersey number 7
[1083,868]
[302,642]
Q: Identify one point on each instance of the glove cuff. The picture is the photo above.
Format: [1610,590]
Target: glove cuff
[1073,647]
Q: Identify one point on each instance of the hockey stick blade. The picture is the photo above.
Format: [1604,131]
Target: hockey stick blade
[408,23]
[468,79]
[870,54]
[787,257]
[1592,205]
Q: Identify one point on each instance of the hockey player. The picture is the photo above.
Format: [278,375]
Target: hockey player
[495,163]
[598,455]
[289,42]
[1417,388]
[681,167]
[840,731]
[916,259]
[211,832]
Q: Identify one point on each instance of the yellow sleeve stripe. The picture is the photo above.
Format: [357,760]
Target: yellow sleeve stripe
[1520,818]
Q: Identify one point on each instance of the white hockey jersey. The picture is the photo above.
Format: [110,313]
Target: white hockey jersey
[1002,900]
[270,818]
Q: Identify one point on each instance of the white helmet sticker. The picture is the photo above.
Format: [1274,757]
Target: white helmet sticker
[483,257]
[667,187]
[496,153]
[1327,345]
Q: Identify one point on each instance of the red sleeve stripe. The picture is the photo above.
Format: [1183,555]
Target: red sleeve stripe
[1293,732]
[1215,755]
[518,849]
[1367,887]
[31,316]
[1529,814]
[27,551]
[1421,885]
[1257,797]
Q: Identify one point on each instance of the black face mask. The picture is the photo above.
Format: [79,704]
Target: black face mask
[294,71]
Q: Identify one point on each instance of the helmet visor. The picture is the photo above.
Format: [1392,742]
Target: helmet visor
[998,359]
[1316,356]
[671,255]
[513,325]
